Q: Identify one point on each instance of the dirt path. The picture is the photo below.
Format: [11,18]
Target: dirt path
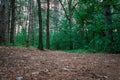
[32,64]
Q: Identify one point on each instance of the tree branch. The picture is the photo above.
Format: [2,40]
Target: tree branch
[74,6]
[64,10]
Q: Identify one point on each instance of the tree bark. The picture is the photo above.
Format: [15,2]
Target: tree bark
[30,24]
[12,32]
[70,23]
[40,25]
[9,16]
[3,22]
[56,16]
[47,26]
[32,31]
[108,21]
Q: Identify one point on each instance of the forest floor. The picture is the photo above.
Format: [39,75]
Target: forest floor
[32,64]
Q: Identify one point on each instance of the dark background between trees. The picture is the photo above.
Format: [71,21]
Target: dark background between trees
[92,25]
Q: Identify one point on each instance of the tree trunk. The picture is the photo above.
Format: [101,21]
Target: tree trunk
[32,23]
[70,23]
[3,20]
[9,14]
[70,27]
[47,27]
[12,33]
[56,16]
[40,25]
[68,16]
[108,21]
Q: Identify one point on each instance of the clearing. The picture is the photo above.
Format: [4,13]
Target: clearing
[32,64]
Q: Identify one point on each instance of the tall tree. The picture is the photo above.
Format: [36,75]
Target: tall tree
[9,17]
[47,26]
[29,26]
[31,22]
[40,25]
[55,15]
[68,14]
[108,17]
[108,20]
[12,32]
[3,21]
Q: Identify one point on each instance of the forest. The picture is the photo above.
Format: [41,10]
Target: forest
[91,25]
[59,39]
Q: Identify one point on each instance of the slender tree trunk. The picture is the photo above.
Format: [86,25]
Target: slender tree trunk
[19,13]
[108,20]
[47,26]
[70,27]
[56,16]
[32,23]
[6,21]
[70,22]
[28,38]
[68,16]
[40,25]
[9,14]
[3,21]
[12,33]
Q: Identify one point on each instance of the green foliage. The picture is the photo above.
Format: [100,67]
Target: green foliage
[61,39]
[89,30]
[88,33]
[21,38]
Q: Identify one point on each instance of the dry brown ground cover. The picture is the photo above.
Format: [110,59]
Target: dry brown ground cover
[32,64]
